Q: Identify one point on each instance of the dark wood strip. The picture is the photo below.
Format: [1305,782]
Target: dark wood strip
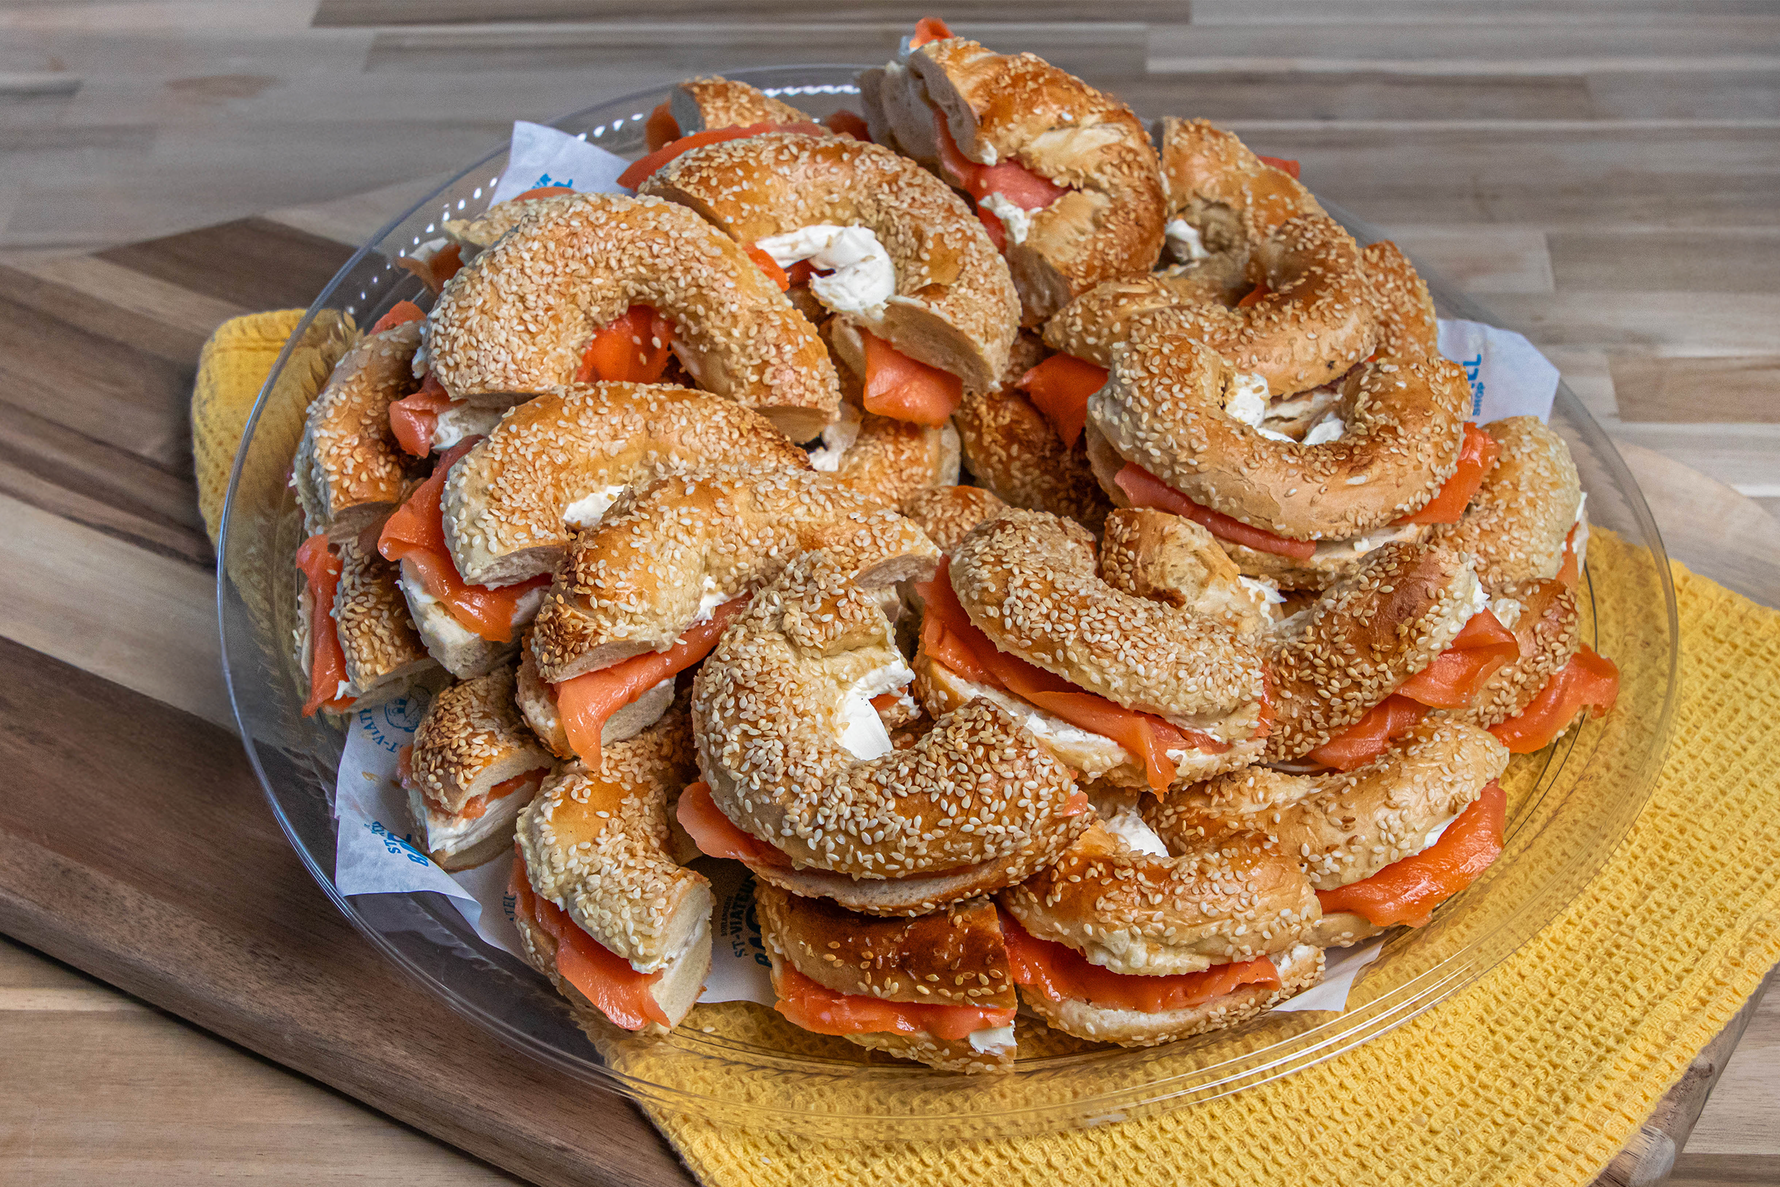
[253,262]
[95,314]
[168,878]
[1730,390]
[113,392]
[1724,1170]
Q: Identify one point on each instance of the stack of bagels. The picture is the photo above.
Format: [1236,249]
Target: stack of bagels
[1212,665]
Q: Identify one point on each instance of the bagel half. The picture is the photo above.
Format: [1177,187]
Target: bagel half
[947,970]
[557,462]
[383,654]
[807,788]
[514,321]
[473,766]
[596,846]
[1519,519]
[948,513]
[349,472]
[952,306]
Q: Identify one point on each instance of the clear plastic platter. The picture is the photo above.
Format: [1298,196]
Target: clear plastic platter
[738,1065]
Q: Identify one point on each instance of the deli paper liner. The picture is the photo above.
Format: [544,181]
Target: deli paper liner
[377,853]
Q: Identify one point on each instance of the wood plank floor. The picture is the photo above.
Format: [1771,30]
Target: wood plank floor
[1603,174]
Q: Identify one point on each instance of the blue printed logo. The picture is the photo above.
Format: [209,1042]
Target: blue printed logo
[395,844]
[545,179]
[391,725]
[1473,372]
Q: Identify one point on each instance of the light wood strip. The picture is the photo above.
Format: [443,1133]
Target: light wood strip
[84,1000]
[155,632]
[172,305]
[1480,257]
[1698,389]
[1706,259]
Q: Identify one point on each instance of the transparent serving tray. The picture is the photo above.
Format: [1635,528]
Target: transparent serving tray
[740,1064]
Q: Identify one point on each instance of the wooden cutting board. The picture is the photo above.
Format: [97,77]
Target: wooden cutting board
[134,841]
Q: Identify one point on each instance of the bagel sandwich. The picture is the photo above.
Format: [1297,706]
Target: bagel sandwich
[472,767]
[604,903]
[802,782]
[934,988]
[1118,945]
[1120,687]
[1383,844]
[356,645]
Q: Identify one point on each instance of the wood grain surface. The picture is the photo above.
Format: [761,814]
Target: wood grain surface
[1603,174]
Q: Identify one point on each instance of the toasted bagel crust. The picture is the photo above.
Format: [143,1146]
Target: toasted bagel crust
[893,461]
[1006,107]
[954,307]
[1223,190]
[699,104]
[635,581]
[1164,408]
[1341,826]
[947,513]
[470,739]
[596,843]
[1300,969]
[515,320]
[1224,900]
[1152,554]
[1028,581]
[1547,628]
[1516,523]
[349,472]
[383,651]
[953,957]
[1335,660]
[505,500]
[1312,326]
[1012,449]
[1401,304]
[975,793]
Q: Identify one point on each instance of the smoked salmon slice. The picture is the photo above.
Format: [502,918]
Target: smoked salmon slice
[413,419]
[903,389]
[820,1010]
[587,701]
[716,835]
[631,348]
[1144,489]
[1061,973]
[1588,680]
[1407,891]
[416,533]
[603,977]
[1059,387]
[327,662]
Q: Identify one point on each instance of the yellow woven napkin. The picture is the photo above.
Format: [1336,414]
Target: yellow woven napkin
[1535,1075]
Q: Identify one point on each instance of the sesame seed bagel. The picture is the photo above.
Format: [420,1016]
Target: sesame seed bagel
[699,104]
[1224,900]
[1221,189]
[783,741]
[1029,583]
[596,843]
[1516,523]
[349,472]
[1020,107]
[506,501]
[1166,405]
[1334,661]
[948,513]
[954,305]
[1341,826]
[1401,304]
[1546,625]
[1312,326]
[892,461]
[681,545]
[515,321]
[954,957]
[470,741]
[1300,967]
[383,653]
[1152,554]
[537,703]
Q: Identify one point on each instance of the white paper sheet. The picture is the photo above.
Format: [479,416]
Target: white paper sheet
[541,156]
[1509,377]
